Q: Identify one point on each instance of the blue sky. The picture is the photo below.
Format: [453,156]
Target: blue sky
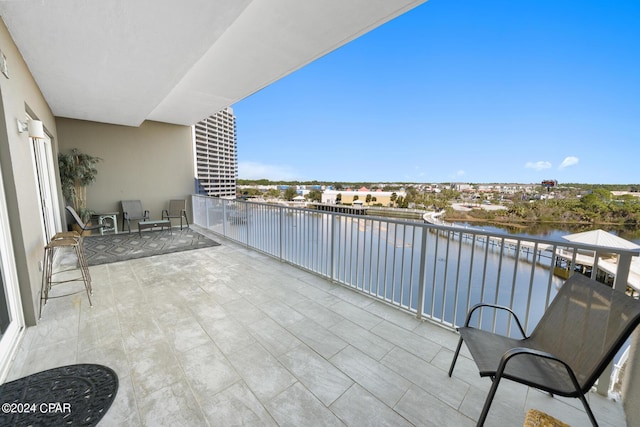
[460,90]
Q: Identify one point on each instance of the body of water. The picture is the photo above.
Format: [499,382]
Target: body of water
[383,258]
[555,233]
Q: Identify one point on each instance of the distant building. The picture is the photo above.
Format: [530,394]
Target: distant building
[216,154]
[347,197]
[461,187]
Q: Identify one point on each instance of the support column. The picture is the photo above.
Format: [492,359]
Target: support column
[620,284]
[631,383]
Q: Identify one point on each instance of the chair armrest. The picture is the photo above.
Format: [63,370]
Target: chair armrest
[165,212]
[494,306]
[518,351]
[146,214]
[125,215]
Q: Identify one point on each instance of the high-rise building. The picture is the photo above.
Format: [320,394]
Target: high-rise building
[216,156]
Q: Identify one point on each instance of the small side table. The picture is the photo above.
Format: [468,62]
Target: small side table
[109,220]
[154,223]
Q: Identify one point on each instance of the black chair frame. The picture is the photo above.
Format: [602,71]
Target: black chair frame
[132,211]
[550,359]
[84,227]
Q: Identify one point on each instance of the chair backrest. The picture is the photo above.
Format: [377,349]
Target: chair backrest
[177,206]
[585,326]
[76,217]
[133,208]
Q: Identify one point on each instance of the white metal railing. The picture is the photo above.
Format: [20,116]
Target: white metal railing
[433,271]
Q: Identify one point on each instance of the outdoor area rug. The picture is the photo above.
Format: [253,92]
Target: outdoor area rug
[125,246]
[75,395]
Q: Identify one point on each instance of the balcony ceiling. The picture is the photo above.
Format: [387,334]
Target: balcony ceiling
[125,61]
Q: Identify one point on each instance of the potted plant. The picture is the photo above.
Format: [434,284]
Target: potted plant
[77,171]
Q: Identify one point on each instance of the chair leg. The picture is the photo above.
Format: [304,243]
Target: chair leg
[488,401]
[46,280]
[455,357]
[587,409]
[85,275]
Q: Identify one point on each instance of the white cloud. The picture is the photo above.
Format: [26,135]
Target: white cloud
[568,161]
[255,170]
[538,165]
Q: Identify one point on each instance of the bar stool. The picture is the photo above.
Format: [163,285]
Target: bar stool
[78,236]
[64,240]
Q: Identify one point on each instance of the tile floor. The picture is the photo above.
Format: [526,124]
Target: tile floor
[226,336]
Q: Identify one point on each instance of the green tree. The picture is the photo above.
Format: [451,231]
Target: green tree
[290,193]
[338,198]
[368,199]
[402,202]
[393,198]
[314,195]
[77,171]
[273,193]
[596,203]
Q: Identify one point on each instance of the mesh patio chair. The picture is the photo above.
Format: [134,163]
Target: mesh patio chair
[84,227]
[132,211]
[177,209]
[576,339]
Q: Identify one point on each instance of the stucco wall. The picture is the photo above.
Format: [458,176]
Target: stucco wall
[152,163]
[20,94]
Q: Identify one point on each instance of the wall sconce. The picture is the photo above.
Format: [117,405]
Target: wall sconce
[34,127]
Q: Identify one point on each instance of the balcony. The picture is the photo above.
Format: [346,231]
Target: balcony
[230,335]
[226,336]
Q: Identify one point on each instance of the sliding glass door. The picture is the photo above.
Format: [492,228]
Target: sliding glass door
[11,318]
[45,173]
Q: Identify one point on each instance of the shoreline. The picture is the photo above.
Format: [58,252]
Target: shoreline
[525,224]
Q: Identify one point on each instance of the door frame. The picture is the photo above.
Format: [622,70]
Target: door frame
[10,340]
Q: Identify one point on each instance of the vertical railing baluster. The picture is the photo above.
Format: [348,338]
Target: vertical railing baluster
[366,283]
[594,269]
[332,247]
[533,271]
[348,248]
[499,275]
[413,240]
[371,281]
[434,283]
[446,276]
[484,276]
[457,287]
[469,283]
[513,284]
[224,220]
[550,280]
[423,272]
[280,230]
[357,258]
[386,258]
[378,257]
[246,212]
[402,258]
